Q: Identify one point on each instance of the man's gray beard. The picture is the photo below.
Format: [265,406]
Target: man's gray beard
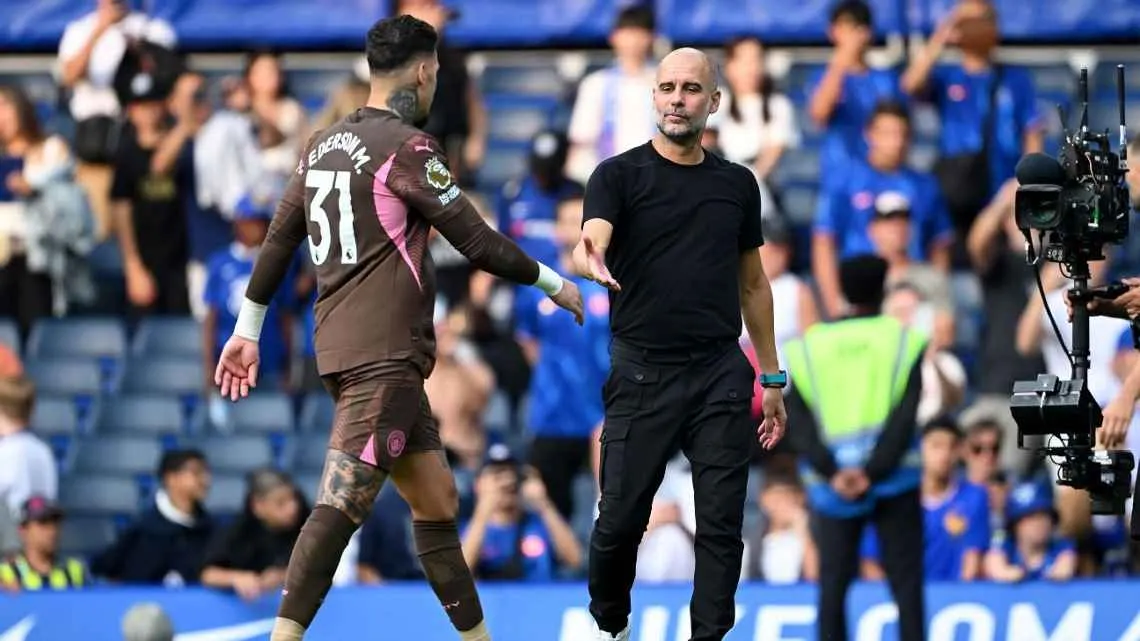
[685,139]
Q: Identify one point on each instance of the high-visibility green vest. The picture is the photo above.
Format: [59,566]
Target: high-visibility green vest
[70,574]
[851,374]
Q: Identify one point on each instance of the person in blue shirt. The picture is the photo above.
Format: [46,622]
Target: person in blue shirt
[528,206]
[844,94]
[845,211]
[1030,549]
[570,365]
[962,94]
[956,529]
[516,533]
[227,274]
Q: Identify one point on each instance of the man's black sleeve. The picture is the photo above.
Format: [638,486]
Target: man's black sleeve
[602,198]
[804,437]
[752,227]
[899,431]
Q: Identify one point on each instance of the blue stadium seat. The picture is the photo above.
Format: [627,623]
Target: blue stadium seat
[168,337]
[78,338]
[497,415]
[317,413]
[263,412]
[518,119]
[56,420]
[529,81]
[99,495]
[519,124]
[10,334]
[74,377]
[118,455]
[796,82]
[143,414]
[309,452]
[171,375]
[54,416]
[799,203]
[227,495]
[237,454]
[83,536]
[798,165]
[503,162]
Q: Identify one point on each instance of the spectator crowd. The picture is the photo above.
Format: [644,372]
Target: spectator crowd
[174,175]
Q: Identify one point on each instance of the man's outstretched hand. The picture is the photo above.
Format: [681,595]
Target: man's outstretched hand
[570,299]
[591,263]
[237,367]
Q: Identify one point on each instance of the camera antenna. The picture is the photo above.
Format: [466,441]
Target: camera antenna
[1120,106]
[1084,100]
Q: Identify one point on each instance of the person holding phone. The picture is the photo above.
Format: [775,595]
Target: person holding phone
[516,532]
[29,160]
[90,52]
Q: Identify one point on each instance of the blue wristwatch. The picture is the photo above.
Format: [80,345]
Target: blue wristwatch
[779,380]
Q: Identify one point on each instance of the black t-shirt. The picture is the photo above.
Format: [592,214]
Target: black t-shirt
[158,209]
[679,232]
[449,117]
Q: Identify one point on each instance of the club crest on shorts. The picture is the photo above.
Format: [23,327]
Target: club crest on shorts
[397,440]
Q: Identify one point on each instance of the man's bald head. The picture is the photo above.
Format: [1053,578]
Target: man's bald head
[685,94]
[689,58]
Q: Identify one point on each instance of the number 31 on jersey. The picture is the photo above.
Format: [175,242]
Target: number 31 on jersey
[325,182]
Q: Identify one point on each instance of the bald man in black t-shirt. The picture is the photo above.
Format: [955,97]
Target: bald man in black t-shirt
[680,229]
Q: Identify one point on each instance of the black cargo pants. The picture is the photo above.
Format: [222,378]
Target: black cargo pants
[656,405]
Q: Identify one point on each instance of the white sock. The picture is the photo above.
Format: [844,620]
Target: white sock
[477,633]
[286,630]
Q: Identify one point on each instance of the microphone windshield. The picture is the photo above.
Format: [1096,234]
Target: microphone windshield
[1039,169]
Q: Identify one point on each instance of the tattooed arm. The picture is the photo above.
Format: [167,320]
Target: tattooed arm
[349,485]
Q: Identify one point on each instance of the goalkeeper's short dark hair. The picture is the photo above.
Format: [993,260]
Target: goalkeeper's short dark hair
[393,43]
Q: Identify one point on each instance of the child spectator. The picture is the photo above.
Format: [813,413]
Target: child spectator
[782,551]
[956,513]
[1029,548]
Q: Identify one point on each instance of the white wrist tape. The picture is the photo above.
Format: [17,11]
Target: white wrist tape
[249,320]
[548,280]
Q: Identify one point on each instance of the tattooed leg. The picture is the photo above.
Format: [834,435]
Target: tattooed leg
[426,483]
[348,489]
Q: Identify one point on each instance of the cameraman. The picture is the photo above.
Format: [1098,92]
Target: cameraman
[1118,414]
